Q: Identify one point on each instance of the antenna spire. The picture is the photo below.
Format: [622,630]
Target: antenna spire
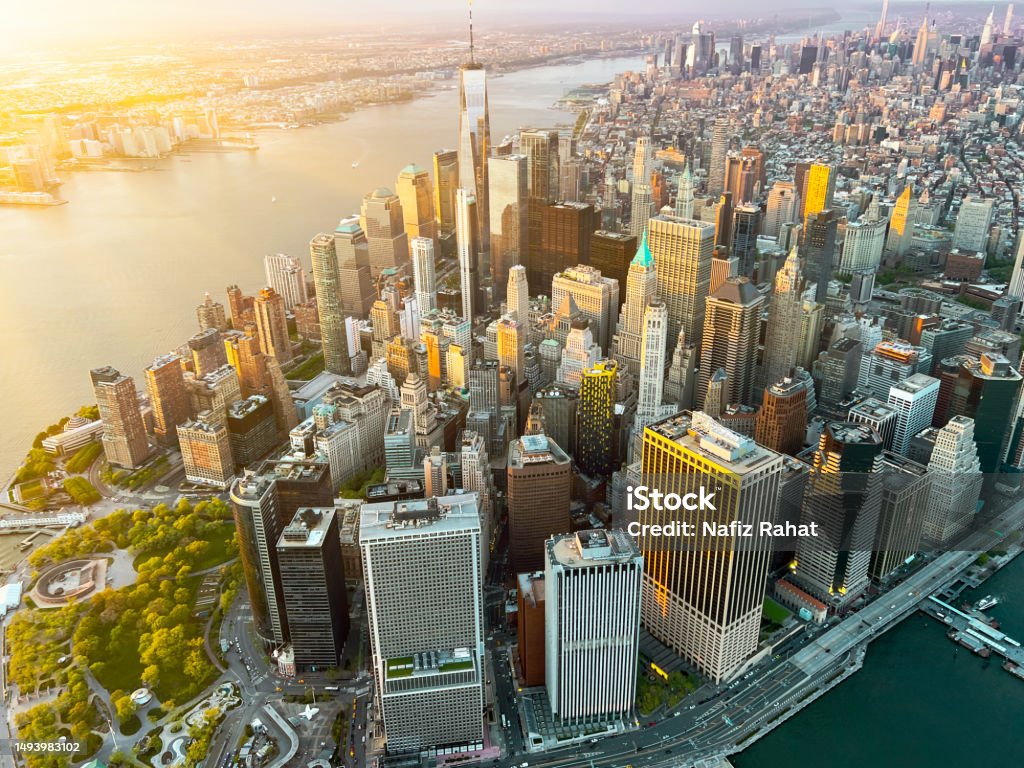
[471,61]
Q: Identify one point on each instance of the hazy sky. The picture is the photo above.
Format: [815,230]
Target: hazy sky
[25,22]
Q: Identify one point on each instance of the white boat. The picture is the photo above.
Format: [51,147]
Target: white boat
[273,199]
[355,164]
[986,602]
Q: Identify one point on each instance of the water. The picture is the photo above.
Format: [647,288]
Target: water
[914,702]
[114,276]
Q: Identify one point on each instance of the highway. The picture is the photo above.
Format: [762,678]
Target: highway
[737,714]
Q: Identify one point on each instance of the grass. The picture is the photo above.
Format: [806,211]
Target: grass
[131,726]
[307,369]
[457,666]
[215,554]
[774,612]
[31,489]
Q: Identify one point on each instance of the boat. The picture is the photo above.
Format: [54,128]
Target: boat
[273,199]
[1014,669]
[355,164]
[986,602]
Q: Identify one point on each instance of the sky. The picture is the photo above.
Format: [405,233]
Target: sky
[35,22]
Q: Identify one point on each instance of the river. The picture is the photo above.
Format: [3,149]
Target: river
[113,277]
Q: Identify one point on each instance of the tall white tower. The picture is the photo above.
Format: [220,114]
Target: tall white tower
[684,195]
[518,293]
[423,273]
[652,365]
[466,240]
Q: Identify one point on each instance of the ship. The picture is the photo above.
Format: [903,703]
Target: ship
[986,602]
[1014,669]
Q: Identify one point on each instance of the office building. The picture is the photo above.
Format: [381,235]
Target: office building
[327,280]
[904,500]
[782,421]
[382,219]
[682,251]
[890,362]
[596,296]
[272,326]
[256,507]
[610,254]
[782,336]
[518,294]
[901,225]
[862,245]
[956,482]
[566,230]
[592,589]
[541,150]
[729,342]
[595,420]
[720,135]
[539,485]
[816,184]
[987,392]
[416,195]
[704,600]
[651,382]
[880,416]
[210,314]
[914,400]
[508,194]
[423,274]
[251,429]
[124,439]
[286,276]
[313,589]
[425,623]
[641,290]
[206,453]
[475,140]
[353,254]
[530,629]
[446,181]
[818,247]
[843,497]
[972,224]
[207,350]
[467,238]
[680,382]
[782,208]
[168,396]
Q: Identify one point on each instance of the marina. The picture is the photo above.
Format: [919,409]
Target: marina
[978,634]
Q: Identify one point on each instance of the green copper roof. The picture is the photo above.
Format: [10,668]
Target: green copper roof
[643,256]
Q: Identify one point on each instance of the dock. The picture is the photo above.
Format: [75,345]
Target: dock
[973,632]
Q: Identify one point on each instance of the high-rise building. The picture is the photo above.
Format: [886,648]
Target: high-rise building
[839,371]
[541,150]
[511,346]
[901,224]
[719,147]
[353,254]
[610,252]
[475,139]
[530,627]
[816,184]
[651,382]
[208,352]
[843,497]
[168,396]
[416,194]
[680,383]
[818,246]
[124,432]
[507,180]
[731,327]
[539,482]
[642,203]
[210,314]
[595,420]
[880,416]
[286,276]
[250,364]
[596,296]
[783,208]
[972,224]
[682,251]
[956,482]
[467,237]
[579,354]
[888,362]
[746,225]
[566,231]
[425,623]
[641,290]
[704,599]
[863,244]
[684,194]
[251,428]
[313,589]
[782,421]
[423,274]
[272,326]
[327,281]
[206,453]
[592,589]
[518,294]
[782,336]
[987,392]
[256,506]
[381,218]
[914,400]
[905,489]
[446,181]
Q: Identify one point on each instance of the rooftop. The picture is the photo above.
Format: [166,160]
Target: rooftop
[402,519]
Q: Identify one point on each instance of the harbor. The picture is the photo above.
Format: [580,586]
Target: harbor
[972,630]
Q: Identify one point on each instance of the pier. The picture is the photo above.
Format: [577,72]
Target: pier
[976,634]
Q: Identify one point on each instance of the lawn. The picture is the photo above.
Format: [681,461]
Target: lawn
[774,612]
[215,554]
[308,369]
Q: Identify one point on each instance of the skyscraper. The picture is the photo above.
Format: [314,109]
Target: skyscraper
[511,345]
[642,201]
[467,236]
[641,290]
[566,231]
[816,185]
[256,506]
[425,623]
[168,396]
[610,252]
[651,383]
[986,391]
[956,481]
[843,497]
[446,181]
[206,453]
[272,325]
[518,294]
[782,422]
[208,352]
[592,591]
[210,314]
[905,490]
[595,420]
[901,224]
[286,276]
[508,211]
[719,148]
[124,433]
[313,589]
[684,194]
[729,341]
[914,399]
[704,598]
[416,194]
[539,481]
[863,244]
[327,282]
[382,219]
[782,337]
[682,251]
[783,207]
[423,274]
[596,296]
[353,252]
[541,150]
[972,224]
[818,246]
[475,138]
